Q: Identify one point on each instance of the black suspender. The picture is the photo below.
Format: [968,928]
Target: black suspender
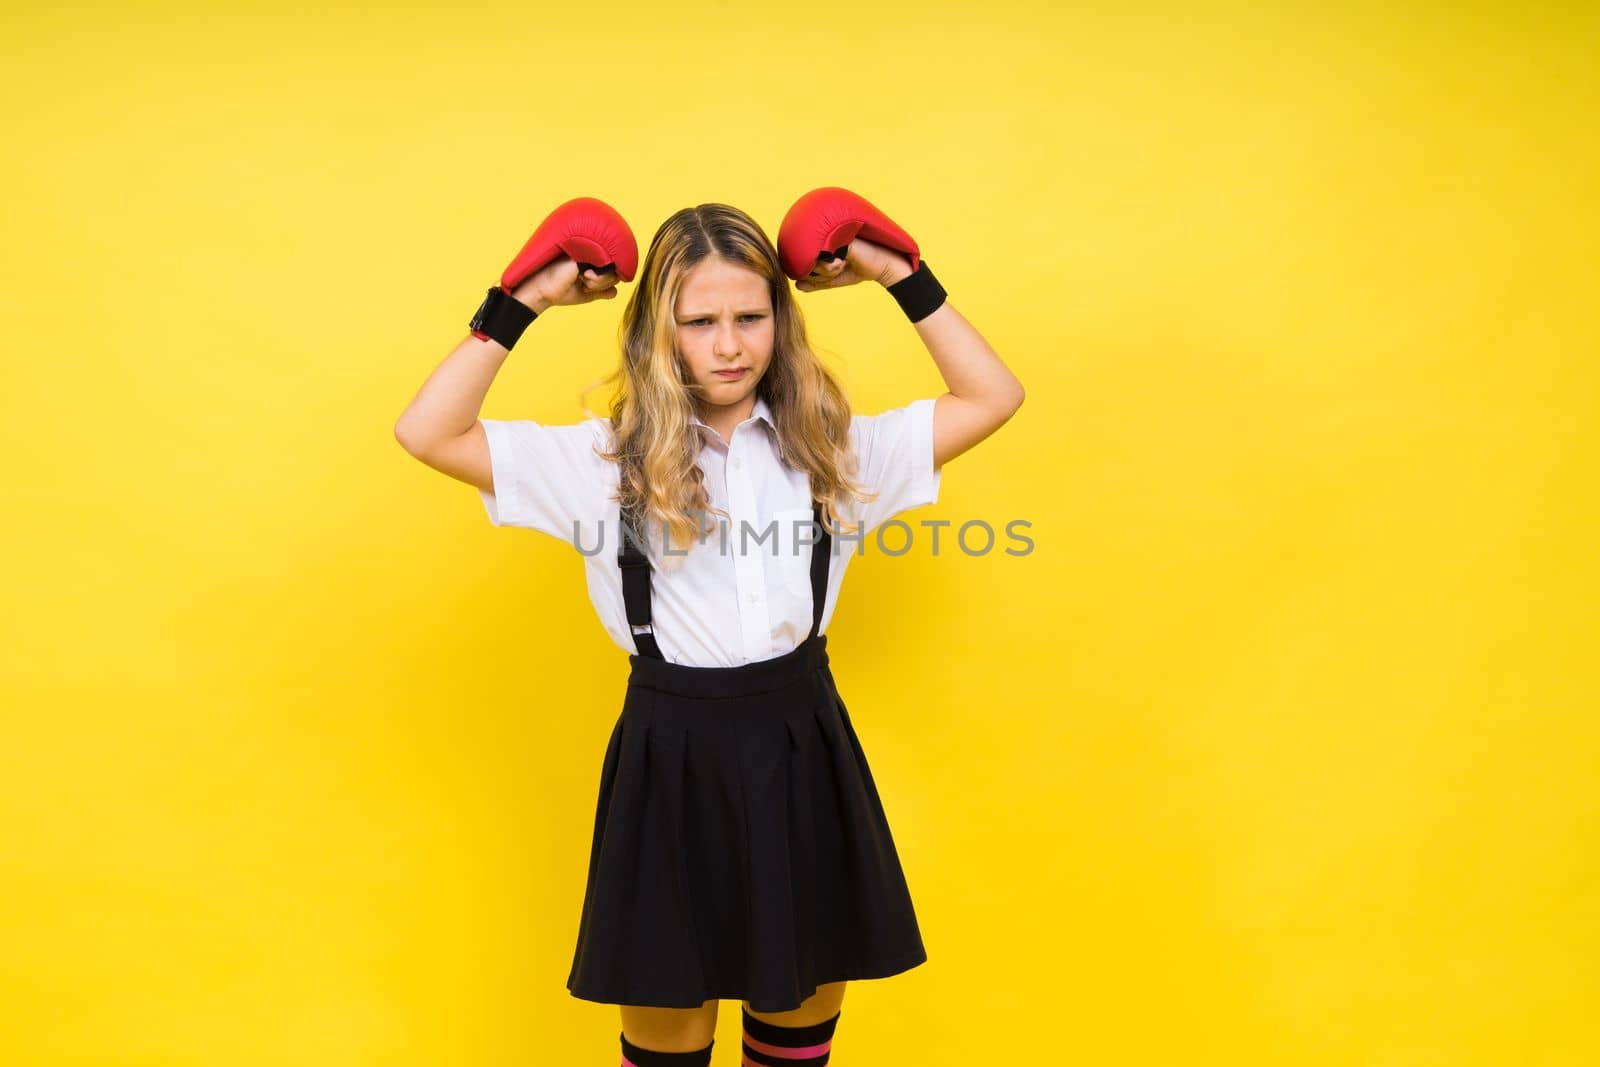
[636,585]
[821,557]
[636,578]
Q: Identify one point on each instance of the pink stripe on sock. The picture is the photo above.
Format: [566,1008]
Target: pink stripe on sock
[805,1052]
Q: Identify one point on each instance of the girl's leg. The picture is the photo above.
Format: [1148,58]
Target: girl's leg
[670,1029]
[799,1038]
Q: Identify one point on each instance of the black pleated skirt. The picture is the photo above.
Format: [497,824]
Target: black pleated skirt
[740,849]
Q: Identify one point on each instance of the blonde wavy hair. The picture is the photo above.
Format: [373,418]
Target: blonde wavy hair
[655,444]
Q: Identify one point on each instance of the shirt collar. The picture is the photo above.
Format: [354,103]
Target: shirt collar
[762,412]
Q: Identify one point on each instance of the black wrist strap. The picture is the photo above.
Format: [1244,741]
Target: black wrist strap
[918,293]
[501,317]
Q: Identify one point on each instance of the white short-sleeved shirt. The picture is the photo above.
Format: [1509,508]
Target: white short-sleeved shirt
[723,603]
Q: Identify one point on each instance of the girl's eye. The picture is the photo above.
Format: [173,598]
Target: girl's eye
[696,322]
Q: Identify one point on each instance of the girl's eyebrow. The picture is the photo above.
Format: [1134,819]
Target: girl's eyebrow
[709,315]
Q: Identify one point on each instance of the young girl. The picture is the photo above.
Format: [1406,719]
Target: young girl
[740,848]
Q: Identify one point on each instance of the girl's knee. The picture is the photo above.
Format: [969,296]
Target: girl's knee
[670,1029]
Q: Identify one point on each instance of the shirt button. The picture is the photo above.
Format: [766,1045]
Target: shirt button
[737,463]
[754,597]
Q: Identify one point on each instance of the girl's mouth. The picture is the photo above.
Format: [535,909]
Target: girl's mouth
[731,375]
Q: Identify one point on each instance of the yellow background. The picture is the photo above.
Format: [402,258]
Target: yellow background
[1278,749]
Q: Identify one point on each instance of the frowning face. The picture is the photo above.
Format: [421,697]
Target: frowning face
[725,334]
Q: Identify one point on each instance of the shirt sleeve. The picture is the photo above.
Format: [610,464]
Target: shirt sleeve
[895,452]
[548,478]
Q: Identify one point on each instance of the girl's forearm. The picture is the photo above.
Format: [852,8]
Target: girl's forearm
[448,403]
[970,368]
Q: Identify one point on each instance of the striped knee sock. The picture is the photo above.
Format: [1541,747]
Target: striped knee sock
[769,1045]
[634,1056]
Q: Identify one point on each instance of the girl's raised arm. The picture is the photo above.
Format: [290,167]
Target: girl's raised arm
[440,426]
[983,394]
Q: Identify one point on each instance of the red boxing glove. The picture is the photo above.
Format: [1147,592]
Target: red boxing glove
[822,224]
[588,230]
